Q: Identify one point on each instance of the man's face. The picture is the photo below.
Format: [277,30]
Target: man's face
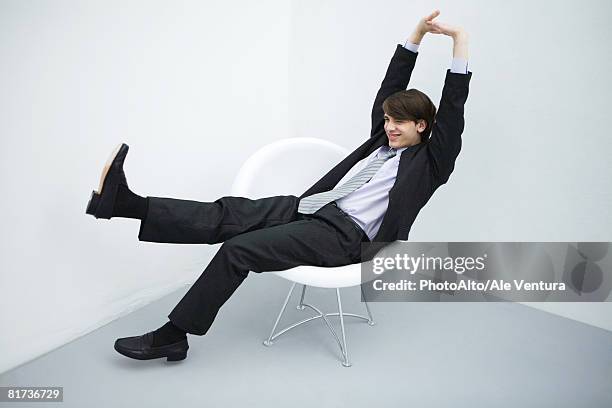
[403,133]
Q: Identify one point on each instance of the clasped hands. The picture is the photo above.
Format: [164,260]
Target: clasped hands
[428,25]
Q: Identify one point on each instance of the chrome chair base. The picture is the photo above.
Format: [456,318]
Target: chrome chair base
[320,315]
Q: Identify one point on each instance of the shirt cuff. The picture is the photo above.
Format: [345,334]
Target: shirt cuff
[411,47]
[459,66]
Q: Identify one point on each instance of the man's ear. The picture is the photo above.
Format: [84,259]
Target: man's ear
[421,125]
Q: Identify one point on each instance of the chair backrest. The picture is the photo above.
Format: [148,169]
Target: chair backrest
[290,166]
[287,166]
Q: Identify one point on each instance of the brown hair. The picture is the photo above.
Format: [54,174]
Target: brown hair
[413,105]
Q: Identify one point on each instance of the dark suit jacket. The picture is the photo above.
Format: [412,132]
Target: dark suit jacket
[423,167]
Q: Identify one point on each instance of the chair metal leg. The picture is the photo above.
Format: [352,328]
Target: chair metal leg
[300,306]
[268,342]
[371,321]
[320,315]
[346,362]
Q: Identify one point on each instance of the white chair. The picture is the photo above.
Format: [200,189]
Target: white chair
[290,166]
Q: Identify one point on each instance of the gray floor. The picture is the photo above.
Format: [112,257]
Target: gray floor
[419,354]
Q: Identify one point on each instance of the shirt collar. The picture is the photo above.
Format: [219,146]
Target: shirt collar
[400,150]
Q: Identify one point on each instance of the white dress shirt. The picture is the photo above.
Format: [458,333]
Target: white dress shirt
[367,205]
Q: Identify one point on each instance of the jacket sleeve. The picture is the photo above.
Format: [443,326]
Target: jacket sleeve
[396,79]
[445,140]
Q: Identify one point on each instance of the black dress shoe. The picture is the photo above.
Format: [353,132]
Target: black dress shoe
[101,202]
[141,348]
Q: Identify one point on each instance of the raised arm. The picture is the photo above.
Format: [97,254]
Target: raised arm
[398,73]
[445,140]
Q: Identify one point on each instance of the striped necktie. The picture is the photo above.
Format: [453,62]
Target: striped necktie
[311,204]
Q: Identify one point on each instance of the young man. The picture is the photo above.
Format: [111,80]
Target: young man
[371,197]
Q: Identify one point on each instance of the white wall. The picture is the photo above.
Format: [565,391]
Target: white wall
[193,87]
[535,161]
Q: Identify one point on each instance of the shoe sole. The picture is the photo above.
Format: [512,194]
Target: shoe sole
[169,357]
[94,201]
[107,167]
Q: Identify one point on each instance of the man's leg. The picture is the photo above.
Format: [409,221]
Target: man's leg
[177,221]
[324,239]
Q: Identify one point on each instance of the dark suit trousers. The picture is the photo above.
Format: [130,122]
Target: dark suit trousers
[260,235]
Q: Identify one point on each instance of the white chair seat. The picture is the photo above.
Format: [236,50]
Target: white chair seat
[328,277]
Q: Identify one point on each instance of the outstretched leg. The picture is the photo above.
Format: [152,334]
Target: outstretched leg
[179,221]
[171,220]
